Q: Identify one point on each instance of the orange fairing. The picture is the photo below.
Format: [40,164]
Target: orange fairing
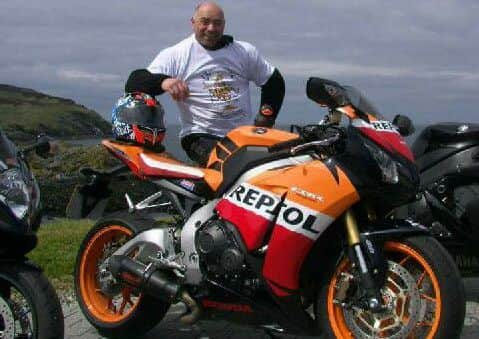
[301,201]
[315,185]
[145,163]
[127,153]
[259,136]
[321,194]
[349,111]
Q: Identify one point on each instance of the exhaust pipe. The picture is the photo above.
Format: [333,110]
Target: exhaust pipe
[193,311]
[150,281]
[154,282]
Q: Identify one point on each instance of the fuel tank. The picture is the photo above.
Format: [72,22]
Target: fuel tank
[243,148]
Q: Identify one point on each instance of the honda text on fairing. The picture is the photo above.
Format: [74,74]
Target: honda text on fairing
[447,155]
[282,230]
[29,306]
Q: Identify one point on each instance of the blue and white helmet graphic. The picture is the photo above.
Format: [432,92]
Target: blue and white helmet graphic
[138,117]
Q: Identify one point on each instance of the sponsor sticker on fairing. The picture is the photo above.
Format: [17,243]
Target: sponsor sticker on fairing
[189,185]
[291,215]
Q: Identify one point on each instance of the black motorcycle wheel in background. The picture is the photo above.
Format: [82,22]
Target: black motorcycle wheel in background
[29,306]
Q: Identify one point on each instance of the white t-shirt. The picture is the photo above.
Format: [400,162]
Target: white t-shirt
[218,83]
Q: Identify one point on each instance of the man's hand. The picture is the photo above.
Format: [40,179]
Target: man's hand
[176,87]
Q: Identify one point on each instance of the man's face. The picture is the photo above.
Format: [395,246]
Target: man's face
[208,24]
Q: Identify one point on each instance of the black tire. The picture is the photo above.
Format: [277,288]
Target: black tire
[147,311]
[43,302]
[446,324]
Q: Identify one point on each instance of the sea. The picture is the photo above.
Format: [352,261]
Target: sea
[173,146]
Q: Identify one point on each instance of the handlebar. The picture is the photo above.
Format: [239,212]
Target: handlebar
[316,145]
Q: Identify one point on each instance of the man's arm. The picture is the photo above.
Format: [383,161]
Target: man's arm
[141,80]
[272,95]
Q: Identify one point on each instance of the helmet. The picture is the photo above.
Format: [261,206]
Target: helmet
[138,117]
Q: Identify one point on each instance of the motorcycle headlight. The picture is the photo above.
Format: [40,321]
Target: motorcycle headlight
[14,192]
[386,164]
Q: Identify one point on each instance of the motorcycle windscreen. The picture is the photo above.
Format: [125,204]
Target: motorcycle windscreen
[373,125]
[287,209]
[367,117]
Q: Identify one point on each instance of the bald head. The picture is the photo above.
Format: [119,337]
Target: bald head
[208,6]
[208,23]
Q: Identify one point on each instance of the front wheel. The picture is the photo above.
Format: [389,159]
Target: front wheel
[29,306]
[423,296]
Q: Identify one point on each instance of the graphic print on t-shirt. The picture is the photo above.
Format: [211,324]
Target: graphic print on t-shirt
[222,94]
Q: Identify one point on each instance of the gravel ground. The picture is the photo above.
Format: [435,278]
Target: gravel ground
[77,327]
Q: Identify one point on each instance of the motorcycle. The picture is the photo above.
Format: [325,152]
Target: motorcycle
[288,231]
[29,306]
[447,156]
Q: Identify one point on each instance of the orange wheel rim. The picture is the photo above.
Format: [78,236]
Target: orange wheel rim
[102,307]
[426,282]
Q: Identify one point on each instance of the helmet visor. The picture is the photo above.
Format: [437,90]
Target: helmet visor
[142,114]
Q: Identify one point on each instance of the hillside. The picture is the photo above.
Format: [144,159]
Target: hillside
[25,113]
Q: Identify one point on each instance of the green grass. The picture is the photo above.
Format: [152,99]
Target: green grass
[58,244]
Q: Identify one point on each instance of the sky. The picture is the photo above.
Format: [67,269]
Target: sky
[419,58]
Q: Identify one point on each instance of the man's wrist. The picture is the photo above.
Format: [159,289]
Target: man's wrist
[161,79]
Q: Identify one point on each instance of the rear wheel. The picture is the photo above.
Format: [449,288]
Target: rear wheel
[115,310]
[423,296]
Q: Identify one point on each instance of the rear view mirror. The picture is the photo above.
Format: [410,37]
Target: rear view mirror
[404,125]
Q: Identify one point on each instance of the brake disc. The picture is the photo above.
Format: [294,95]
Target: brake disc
[7,320]
[402,308]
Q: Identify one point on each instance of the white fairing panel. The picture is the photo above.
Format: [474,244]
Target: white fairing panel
[191,259]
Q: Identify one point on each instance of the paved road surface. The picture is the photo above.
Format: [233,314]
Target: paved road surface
[77,327]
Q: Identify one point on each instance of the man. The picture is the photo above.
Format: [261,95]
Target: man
[208,75]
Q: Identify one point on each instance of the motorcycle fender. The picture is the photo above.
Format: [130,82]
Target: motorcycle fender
[395,229]
[372,244]
[87,201]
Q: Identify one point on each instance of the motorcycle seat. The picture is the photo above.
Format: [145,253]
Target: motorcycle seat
[441,135]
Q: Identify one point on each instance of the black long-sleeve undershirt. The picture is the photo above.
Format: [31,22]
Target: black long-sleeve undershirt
[141,80]
[272,92]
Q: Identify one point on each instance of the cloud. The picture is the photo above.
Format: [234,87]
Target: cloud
[404,53]
[75,74]
[324,68]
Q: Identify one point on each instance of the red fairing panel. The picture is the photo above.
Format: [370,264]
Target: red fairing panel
[296,230]
[250,209]
[385,135]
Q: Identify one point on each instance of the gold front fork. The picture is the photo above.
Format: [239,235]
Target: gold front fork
[352,229]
